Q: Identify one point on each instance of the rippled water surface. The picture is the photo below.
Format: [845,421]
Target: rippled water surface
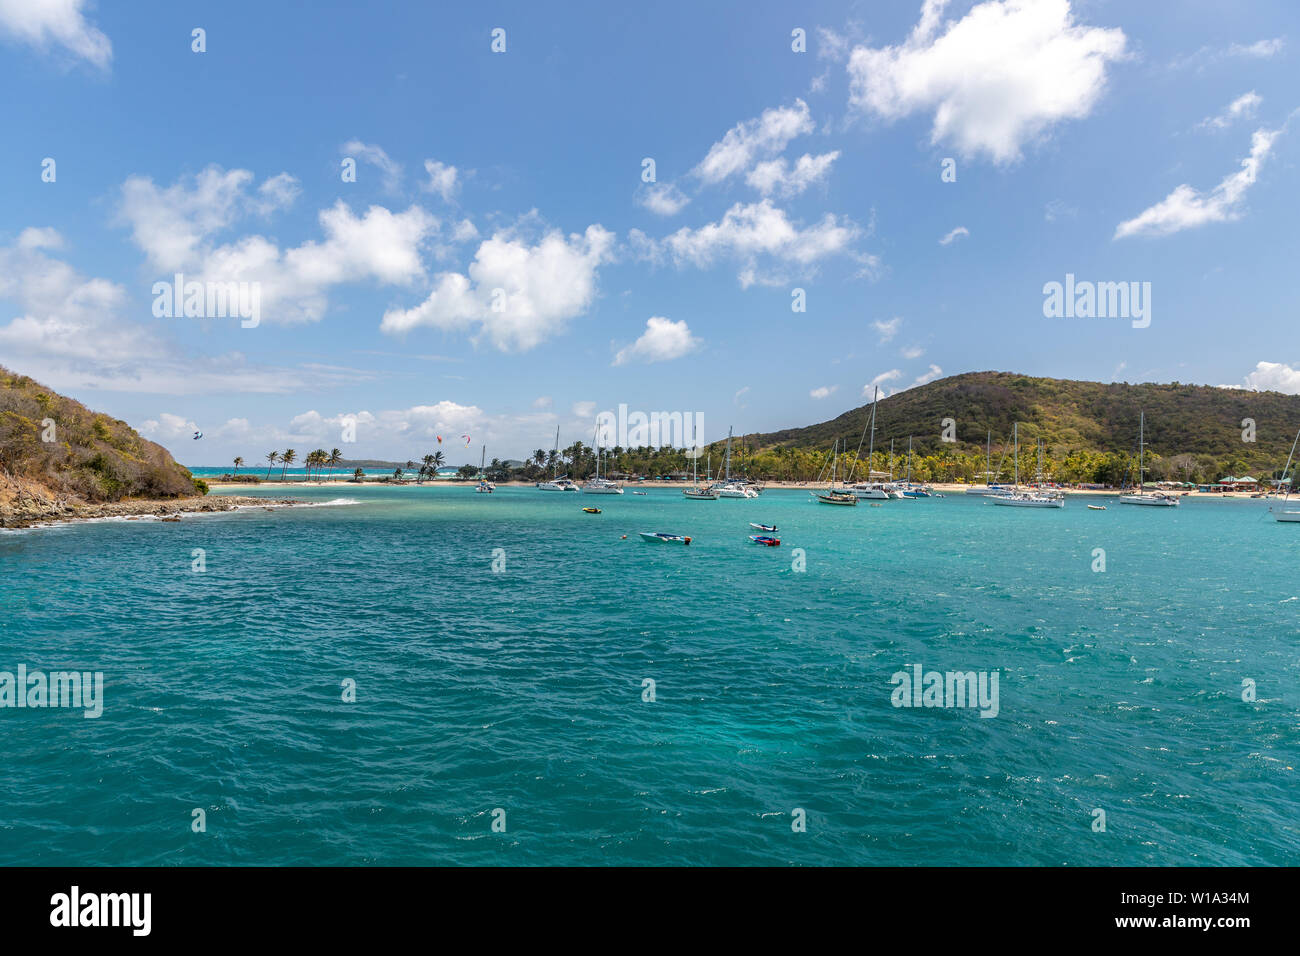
[522,690]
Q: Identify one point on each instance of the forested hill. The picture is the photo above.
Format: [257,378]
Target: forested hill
[1071,416]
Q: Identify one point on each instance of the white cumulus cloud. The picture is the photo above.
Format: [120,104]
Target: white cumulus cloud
[56,23]
[995,80]
[516,294]
[747,141]
[662,341]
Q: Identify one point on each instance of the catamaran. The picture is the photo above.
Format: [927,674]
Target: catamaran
[1025,499]
[1281,512]
[870,489]
[833,495]
[557,482]
[1156,499]
[598,485]
[729,487]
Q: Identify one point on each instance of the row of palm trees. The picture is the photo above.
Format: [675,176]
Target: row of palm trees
[318,459]
[321,459]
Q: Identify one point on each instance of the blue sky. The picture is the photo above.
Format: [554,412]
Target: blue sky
[1149,143]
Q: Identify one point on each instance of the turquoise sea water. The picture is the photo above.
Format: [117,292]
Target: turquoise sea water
[522,690]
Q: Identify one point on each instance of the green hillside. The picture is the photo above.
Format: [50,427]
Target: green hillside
[1194,432]
[89,455]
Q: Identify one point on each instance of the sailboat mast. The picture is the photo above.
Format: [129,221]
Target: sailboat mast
[891,459]
[909,459]
[1142,442]
[988,456]
[728,453]
[1015,431]
[1288,465]
[871,446]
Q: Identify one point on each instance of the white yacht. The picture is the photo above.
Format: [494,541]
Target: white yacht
[601,486]
[990,487]
[729,487]
[695,492]
[1015,498]
[870,489]
[557,482]
[1157,499]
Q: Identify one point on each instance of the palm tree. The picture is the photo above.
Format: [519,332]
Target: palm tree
[359,474]
[335,459]
[439,459]
[271,459]
[539,456]
[238,461]
[428,466]
[287,458]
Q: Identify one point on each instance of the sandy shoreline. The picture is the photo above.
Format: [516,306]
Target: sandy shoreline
[944,488]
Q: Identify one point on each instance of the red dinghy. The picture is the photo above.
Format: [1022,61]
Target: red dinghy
[765,540]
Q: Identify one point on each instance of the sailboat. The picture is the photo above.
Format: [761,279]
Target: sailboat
[557,483]
[598,485]
[695,492]
[989,487]
[1156,499]
[869,488]
[1025,499]
[729,488]
[485,487]
[910,490]
[833,495]
[1281,512]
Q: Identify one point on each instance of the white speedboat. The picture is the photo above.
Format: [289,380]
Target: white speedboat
[1155,499]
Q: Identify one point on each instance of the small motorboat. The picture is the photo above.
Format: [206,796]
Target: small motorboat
[640,492]
[1096,507]
[765,540]
[592,511]
[770,528]
[659,537]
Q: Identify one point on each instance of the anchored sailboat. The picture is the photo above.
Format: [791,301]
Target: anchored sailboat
[869,488]
[833,495]
[1025,499]
[1156,499]
[1281,512]
[696,493]
[557,482]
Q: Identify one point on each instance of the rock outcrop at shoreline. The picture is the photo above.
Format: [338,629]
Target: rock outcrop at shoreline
[27,503]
